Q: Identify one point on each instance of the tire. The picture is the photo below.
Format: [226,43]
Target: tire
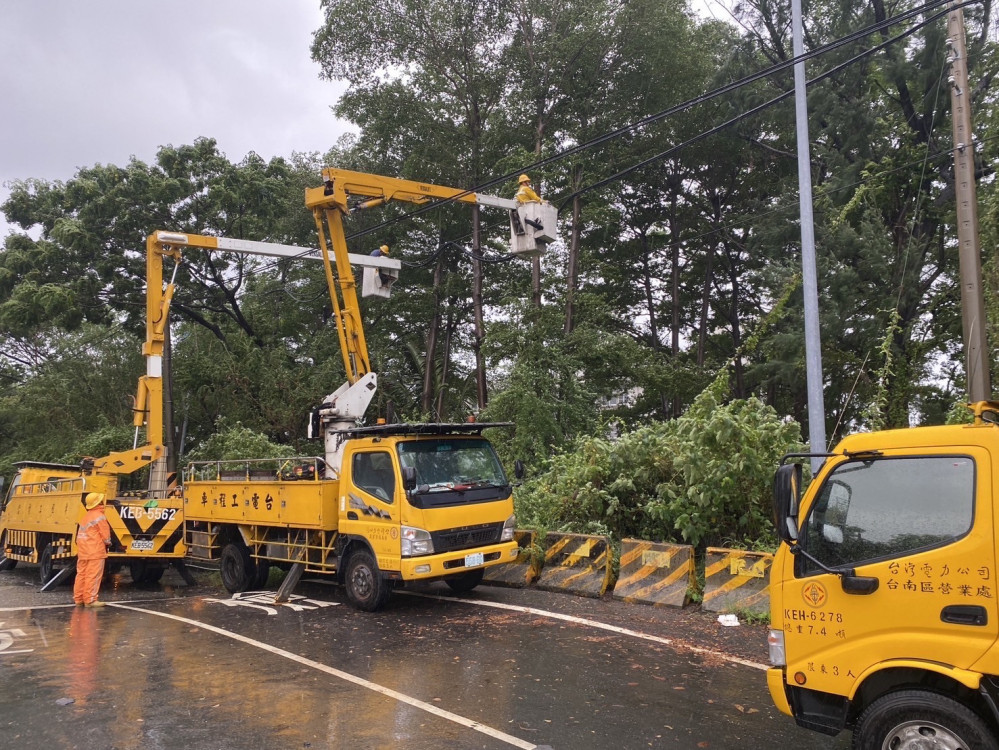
[46,565]
[366,589]
[462,583]
[237,568]
[263,568]
[145,573]
[5,562]
[896,719]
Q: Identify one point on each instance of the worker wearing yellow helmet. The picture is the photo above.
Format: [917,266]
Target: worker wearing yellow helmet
[382,252]
[526,194]
[92,541]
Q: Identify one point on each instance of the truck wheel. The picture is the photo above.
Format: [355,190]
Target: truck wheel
[143,572]
[237,568]
[462,583]
[263,573]
[917,718]
[365,587]
[46,565]
[5,562]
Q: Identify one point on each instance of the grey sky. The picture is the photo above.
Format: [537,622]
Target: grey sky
[103,80]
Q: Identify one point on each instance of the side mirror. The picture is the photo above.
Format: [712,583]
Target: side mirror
[408,478]
[787,494]
[832,534]
[518,469]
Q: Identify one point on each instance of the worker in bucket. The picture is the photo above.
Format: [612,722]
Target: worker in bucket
[382,252]
[526,194]
[92,541]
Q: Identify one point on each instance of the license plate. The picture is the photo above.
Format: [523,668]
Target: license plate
[146,544]
[473,560]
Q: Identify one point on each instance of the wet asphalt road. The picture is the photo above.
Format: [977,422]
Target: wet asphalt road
[176,667]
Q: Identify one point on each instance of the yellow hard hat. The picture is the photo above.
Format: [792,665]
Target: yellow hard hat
[93,499]
[384,249]
[524,178]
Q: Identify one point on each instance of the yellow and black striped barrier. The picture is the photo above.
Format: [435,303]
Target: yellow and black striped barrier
[655,573]
[521,572]
[736,580]
[576,564]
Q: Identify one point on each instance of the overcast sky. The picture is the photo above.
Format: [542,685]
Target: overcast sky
[99,81]
[86,82]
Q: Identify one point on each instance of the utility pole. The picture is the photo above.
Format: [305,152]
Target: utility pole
[969,254]
[810,286]
[480,327]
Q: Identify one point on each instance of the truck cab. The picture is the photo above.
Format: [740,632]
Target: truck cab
[883,592]
[433,505]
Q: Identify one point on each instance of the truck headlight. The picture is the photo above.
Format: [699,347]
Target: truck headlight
[508,528]
[775,640]
[416,542]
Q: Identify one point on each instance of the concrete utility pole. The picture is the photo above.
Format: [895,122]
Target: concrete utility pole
[810,286]
[480,326]
[969,253]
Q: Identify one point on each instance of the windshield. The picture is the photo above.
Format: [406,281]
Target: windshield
[870,510]
[448,464]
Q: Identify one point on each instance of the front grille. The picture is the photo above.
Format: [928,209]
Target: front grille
[464,538]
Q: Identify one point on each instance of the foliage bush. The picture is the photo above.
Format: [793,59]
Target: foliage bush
[702,479]
[234,441]
[101,442]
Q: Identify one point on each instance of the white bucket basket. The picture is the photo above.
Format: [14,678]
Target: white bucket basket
[377,282]
[532,227]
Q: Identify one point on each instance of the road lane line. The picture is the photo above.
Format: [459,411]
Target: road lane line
[346,676]
[592,624]
[71,605]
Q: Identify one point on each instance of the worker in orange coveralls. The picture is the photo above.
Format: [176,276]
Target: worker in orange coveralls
[92,542]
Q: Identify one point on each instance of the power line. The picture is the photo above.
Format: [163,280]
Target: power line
[760,107]
[690,103]
[703,98]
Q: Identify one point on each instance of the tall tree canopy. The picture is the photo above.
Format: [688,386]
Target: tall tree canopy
[675,245]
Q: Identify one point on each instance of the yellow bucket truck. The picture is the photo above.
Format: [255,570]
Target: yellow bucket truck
[884,602]
[386,503]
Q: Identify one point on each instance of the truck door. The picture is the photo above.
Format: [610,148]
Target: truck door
[370,508]
[921,525]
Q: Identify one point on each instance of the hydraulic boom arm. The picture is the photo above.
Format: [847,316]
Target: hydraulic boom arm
[329,204]
[148,406]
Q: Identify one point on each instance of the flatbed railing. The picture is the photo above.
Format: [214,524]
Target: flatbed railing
[298,468]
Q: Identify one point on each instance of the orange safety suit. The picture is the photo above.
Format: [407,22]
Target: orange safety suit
[92,541]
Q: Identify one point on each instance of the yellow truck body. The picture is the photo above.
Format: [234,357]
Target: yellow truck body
[883,593]
[448,525]
[39,517]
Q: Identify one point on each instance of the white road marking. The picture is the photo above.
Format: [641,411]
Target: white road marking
[346,676]
[71,605]
[593,624]
[525,610]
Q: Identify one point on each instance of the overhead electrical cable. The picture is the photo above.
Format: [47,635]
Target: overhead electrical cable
[706,97]
[755,110]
